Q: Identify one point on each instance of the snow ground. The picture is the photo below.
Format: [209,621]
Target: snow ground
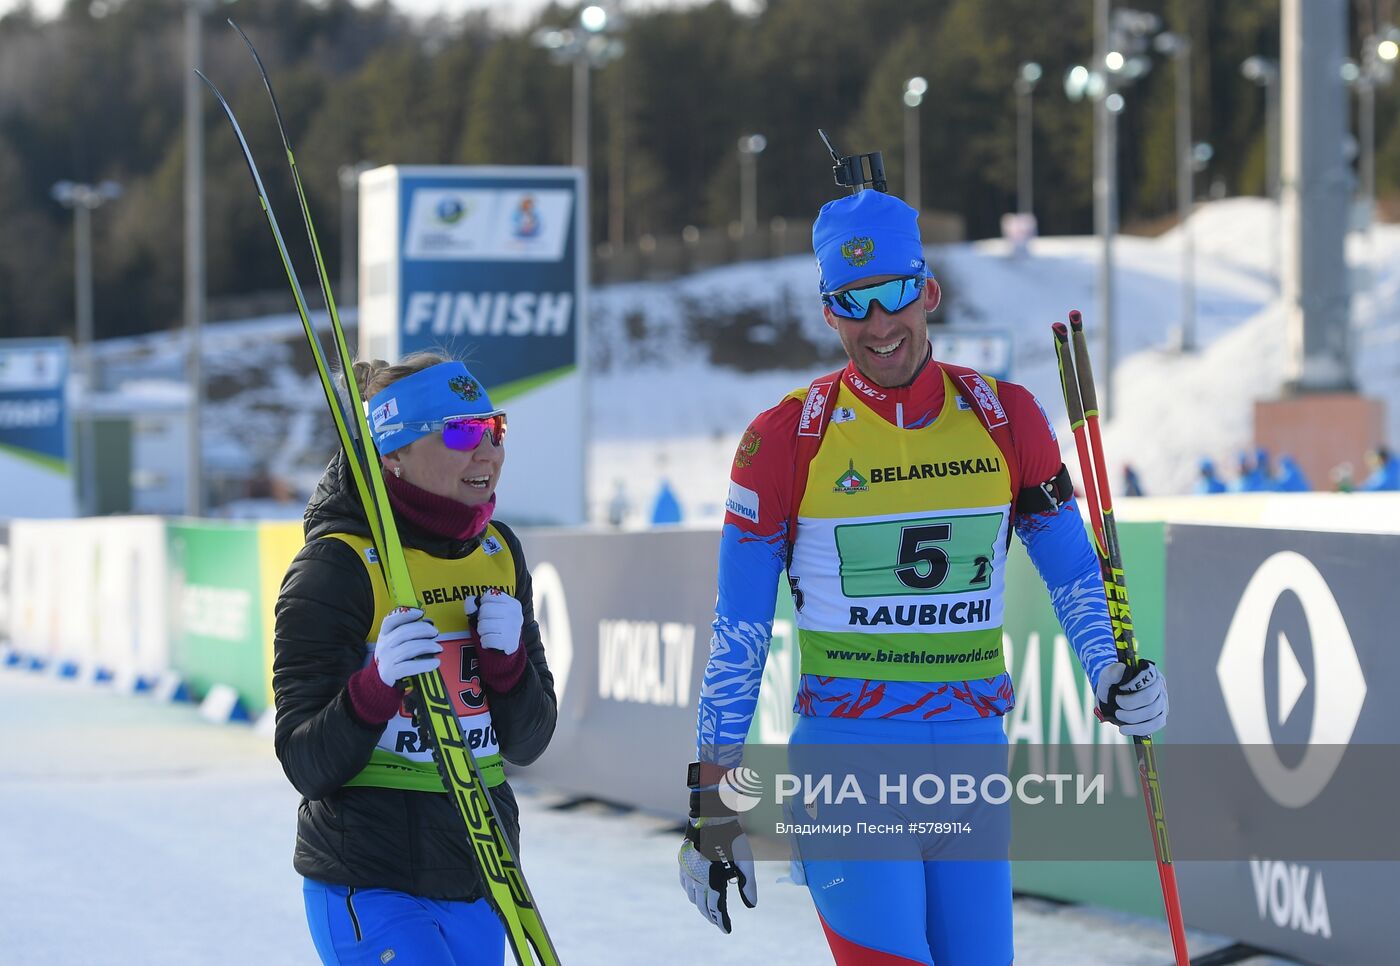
[137,832]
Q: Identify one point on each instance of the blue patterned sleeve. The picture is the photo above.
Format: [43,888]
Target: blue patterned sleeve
[1065,559]
[749,567]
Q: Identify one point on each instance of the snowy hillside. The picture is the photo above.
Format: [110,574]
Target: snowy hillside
[678,368]
[660,407]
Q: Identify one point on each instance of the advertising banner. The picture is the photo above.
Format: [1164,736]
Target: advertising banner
[129,565]
[216,615]
[489,265]
[1054,705]
[4,582]
[1284,653]
[278,543]
[625,620]
[46,624]
[90,594]
[34,437]
[986,349]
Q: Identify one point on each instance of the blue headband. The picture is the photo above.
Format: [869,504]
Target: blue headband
[863,235]
[404,410]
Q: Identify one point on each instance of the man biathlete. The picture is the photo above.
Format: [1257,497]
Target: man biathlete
[887,492]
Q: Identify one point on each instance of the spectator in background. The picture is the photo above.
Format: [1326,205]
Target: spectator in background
[1254,472]
[1209,482]
[1132,485]
[666,509]
[1290,478]
[1385,471]
[620,506]
[1342,479]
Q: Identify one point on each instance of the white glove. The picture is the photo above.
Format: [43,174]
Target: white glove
[706,880]
[1137,705]
[499,619]
[407,646]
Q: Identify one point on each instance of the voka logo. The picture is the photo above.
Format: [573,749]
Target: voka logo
[1291,897]
[740,788]
[645,662]
[1339,687]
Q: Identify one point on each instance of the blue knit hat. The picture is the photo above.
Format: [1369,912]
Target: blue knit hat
[405,409]
[863,235]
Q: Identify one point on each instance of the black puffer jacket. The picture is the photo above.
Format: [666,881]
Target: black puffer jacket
[368,837]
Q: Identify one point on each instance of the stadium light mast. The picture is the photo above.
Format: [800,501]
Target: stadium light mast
[1027,77]
[914,90]
[1315,190]
[588,45]
[83,199]
[750,147]
[1120,37]
[1264,72]
[1177,46]
[1376,69]
[194,251]
[349,179]
[592,43]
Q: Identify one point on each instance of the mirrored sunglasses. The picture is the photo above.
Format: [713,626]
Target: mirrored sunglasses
[466,432]
[855,303]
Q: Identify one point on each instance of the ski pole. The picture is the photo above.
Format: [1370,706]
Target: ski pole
[1081,401]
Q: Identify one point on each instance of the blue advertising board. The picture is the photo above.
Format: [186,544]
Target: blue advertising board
[34,433]
[487,265]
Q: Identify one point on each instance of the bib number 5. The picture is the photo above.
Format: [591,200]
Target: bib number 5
[922,564]
[937,555]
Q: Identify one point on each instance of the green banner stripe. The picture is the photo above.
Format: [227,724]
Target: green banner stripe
[51,463]
[520,387]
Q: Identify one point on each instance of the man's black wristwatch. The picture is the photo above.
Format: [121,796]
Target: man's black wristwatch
[702,774]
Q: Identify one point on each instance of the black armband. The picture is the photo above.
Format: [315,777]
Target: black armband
[706,803]
[1046,497]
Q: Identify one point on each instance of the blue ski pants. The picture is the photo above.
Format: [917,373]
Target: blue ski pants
[930,900]
[380,927]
